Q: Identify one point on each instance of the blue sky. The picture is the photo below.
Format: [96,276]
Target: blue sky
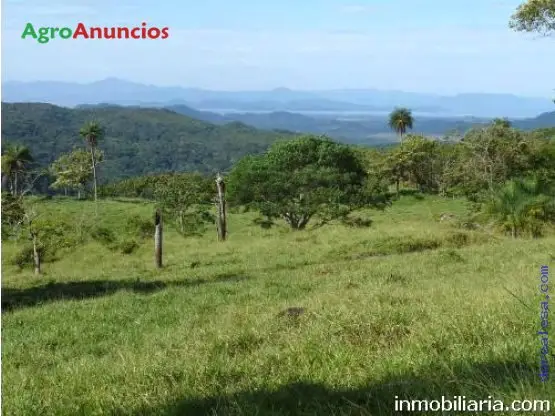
[443,47]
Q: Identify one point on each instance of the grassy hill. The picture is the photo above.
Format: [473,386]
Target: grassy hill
[138,140]
[410,307]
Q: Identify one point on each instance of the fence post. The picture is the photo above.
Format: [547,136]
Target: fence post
[221,221]
[36,254]
[158,239]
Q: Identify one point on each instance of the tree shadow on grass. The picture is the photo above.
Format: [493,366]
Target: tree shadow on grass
[474,381]
[13,298]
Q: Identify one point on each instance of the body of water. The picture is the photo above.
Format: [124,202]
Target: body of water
[340,115]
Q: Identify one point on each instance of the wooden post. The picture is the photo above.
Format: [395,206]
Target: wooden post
[221,221]
[36,254]
[158,239]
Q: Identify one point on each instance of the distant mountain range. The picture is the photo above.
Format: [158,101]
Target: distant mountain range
[121,92]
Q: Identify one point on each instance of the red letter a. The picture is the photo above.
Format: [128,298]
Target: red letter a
[81,30]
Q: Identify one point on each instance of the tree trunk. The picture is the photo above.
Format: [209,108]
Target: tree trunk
[5,182]
[15,184]
[303,222]
[36,254]
[397,186]
[158,239]
[181,222]
[94,171]
[221,219]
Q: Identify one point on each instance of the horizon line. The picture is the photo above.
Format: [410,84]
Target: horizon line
[114,78]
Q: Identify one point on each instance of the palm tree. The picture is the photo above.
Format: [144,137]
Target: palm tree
[15,160]
[400,120]
[92,132]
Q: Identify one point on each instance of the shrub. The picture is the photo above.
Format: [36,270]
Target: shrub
[12,213]
[458,239]
[140,227]
[24,256]
[103,235]
[406,245]
[128,246]
[357,222]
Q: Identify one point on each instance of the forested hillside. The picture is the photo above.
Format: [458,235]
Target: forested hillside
[137,141]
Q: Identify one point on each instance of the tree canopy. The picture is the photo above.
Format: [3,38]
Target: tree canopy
[298,179]
[16,159]
[536,16]
[400,120]
[73,170]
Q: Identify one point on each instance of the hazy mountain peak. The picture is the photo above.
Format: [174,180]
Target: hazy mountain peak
[115,90]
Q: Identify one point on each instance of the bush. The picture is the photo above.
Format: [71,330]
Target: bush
[24,257]
[140,227]
[53,234]
[135,230]
[458,239]
[357,222]
[451,255]
[103,235]
[12,214]
[128,246]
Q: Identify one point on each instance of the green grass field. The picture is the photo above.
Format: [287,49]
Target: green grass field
[409,307]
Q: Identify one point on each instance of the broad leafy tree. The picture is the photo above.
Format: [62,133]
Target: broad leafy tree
[74,170]
[537,16]
[299,179]
[489,156]
[185,200]
[422,159]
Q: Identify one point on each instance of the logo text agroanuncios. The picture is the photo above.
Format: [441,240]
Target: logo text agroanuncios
[81,31]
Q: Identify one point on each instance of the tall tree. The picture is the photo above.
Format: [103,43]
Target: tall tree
[400,120]
[73,170]
[300,179]
[536,16]
[488,156]
[185,201]
[422,160]
[15,161]
[92,132]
